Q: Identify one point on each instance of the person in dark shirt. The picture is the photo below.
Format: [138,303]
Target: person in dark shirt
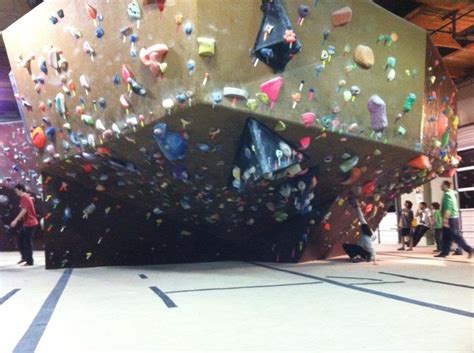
[29,223]
[404,226]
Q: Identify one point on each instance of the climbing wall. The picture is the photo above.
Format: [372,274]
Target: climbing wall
[172,131]
[17,165]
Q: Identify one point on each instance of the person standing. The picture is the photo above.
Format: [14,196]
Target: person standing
[404,225]
[424,222]
[29,223]
[437,222]
[450,214]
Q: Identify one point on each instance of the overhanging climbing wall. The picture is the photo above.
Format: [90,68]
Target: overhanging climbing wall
[173,131]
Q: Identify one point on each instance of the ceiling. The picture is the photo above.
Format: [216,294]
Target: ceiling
[451,27]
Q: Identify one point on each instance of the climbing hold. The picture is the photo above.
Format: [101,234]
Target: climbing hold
[305,142]
[168,104]
[280,126]
[136,87]
[409,102]
[172,145]
[88,120]
[188,28]
[420,162]
[341,17]
[368,188]
[235,93]
[38,138]
[308,119]
[364,56]
[349,164]
[378,114]
[153,56]
[356,173]
[134,10]
[272,89]
[207,46]
[87,47]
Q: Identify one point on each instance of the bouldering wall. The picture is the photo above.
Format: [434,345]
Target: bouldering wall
[17,165]
[224,132]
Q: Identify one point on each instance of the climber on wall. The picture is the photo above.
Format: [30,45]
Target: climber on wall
[363,248]
[29,218]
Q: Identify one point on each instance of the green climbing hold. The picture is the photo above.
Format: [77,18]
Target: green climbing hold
[346,166]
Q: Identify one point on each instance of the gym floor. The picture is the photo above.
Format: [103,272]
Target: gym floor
[409,302]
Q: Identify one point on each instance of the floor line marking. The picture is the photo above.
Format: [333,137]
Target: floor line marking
[167,300]
[8,295]
[428,280]
[243,287]
[32,336]
[368,279]
[374,292]
[421,258]
[370,283]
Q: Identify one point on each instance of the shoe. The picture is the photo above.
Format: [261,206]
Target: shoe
[440,255]
[20,262]
[401,249]
[409,249]
[28,264]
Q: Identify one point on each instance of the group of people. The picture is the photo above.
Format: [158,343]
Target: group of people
[444,218]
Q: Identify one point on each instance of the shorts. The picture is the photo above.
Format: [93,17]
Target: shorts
[404,232]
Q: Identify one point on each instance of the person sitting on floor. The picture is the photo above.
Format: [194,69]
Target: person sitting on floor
[363,248]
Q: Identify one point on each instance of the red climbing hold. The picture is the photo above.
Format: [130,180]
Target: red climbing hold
[368,188]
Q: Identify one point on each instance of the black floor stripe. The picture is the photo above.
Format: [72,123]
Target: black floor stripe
[246,287]
[32,336]
[8,295]
[371,291]
[142,275]
[428,280]
[167,300]
[421,258]
[370,283]
[368,279]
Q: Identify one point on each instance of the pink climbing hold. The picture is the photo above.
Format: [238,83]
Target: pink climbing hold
[126,74]
[153,57]
[308,119]
[305,142]
[272,89]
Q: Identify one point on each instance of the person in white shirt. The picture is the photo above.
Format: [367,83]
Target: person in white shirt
[363,248]
[423,215]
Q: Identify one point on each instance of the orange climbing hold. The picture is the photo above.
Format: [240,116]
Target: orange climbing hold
[38,138]
[420,162]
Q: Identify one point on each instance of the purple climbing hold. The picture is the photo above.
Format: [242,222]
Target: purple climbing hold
[378,113]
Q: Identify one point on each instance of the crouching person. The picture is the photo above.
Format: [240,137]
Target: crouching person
[363,249]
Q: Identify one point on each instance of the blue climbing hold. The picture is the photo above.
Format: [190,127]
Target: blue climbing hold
[172,145]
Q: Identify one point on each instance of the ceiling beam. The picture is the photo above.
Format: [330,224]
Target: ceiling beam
[444,40]
[414,12]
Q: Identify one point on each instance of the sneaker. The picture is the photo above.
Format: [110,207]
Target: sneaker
[20,262]
[401,249]
[409,249]
[440,255]
[28,264]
